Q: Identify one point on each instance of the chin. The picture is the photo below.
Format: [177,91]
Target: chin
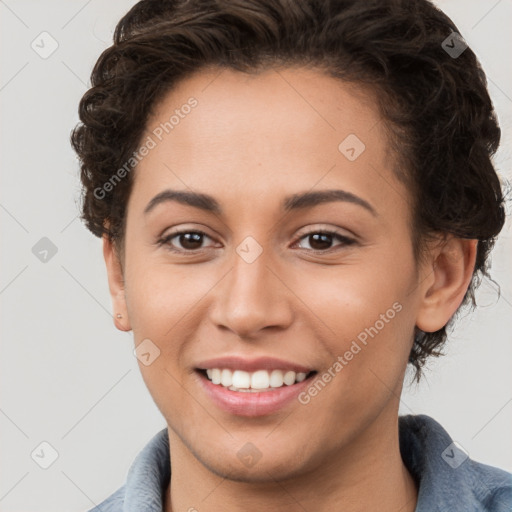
[250,465]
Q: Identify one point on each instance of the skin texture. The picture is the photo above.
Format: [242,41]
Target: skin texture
[251,141]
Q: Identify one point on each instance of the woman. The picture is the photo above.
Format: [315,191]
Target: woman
[295,198]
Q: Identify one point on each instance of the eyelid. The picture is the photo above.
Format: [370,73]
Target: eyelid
[319,228]
[164,240]
[346,240]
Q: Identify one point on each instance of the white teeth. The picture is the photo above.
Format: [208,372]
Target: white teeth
[260,380]
[289,378]
[215,375]
[276,378]
[239,380]
[226,378]
[300,377]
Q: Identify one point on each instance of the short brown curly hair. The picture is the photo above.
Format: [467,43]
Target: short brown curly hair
[440,118]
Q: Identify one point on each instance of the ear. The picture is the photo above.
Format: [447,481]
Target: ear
[116,285]
[447,279]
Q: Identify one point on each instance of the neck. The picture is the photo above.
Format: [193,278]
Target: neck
[367,475]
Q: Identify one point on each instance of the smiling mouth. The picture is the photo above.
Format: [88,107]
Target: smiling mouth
[254,382]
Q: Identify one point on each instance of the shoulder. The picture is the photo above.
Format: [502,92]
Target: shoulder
[493,486]
[447,477]
[147,479]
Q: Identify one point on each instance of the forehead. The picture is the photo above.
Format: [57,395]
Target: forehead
[263,134]
[277,105]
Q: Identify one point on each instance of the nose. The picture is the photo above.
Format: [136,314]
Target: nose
[252,296]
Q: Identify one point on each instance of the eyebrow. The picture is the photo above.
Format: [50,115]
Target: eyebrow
[294,202]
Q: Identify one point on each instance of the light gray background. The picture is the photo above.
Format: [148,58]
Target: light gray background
[68,377]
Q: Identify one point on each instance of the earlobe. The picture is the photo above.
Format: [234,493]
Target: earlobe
[116,285]
[448,280]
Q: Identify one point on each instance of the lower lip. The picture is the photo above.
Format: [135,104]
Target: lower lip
[250,403]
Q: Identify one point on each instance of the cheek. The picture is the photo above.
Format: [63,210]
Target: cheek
[160,300]
[369,312]
[352,297]
[368,342]
[159,295]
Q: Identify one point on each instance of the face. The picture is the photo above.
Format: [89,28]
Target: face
[263,284]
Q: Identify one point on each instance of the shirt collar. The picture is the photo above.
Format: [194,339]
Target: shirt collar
[447,478]
[436,463]
[149,476]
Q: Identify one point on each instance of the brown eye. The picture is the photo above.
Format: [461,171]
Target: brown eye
[185,241]
[190,241]
[322,240]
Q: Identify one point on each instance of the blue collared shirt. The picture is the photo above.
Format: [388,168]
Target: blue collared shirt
[448,480]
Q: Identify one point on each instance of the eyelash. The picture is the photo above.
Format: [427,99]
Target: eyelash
[165,241]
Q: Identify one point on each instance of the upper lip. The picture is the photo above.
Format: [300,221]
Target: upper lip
[251,365]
